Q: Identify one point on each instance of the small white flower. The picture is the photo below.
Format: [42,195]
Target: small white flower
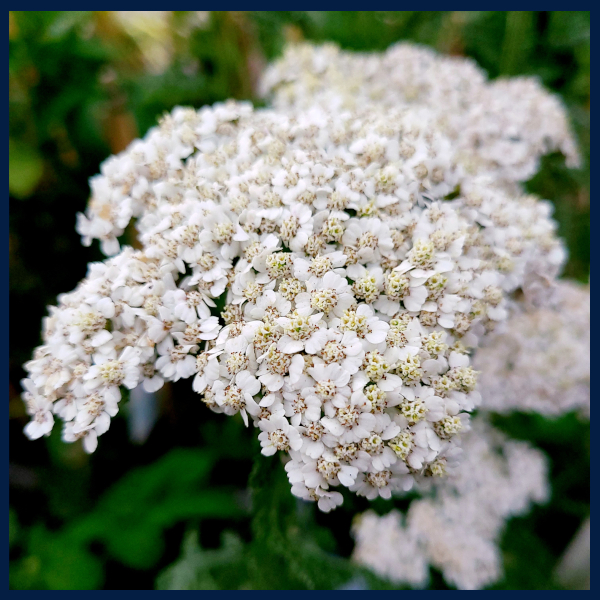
[42,419]
[98,408]
[330,294]
[278,434]
[302,331]
[89,436]
[114,372]
[176,362]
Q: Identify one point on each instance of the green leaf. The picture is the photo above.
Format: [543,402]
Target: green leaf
[139,547]
[522,546]
[518,39]
[132,515]
[63,23]
[55,561]
[25,168]
[569,28]
[196,568]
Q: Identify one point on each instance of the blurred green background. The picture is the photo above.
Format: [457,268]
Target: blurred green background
[176,511]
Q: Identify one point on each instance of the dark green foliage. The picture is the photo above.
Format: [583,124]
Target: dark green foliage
[127,523]
[283,552]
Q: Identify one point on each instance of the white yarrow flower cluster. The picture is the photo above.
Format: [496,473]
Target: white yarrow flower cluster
[325,272]
[458,530]
[541,361]
[499,127]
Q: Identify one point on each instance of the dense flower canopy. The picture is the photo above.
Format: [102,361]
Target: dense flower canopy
[325,268]
[499,127]
[457,530]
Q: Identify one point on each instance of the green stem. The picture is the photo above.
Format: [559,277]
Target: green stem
[516,45]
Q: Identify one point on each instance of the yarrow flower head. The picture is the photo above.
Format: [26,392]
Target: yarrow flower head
[355,289]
